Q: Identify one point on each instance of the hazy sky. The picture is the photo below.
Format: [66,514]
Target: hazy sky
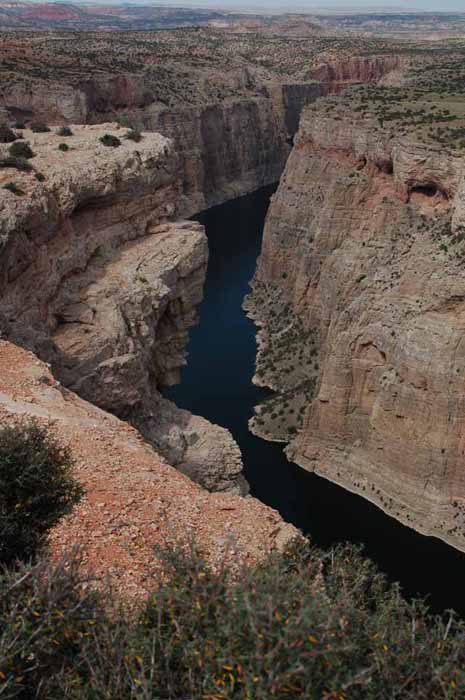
[405,5]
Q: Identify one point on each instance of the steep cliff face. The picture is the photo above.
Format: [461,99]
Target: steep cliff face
[96,281]
[232,129]
[337,75]
[226,149]
[45,100]
[236,145]
[333,76]
[362,265]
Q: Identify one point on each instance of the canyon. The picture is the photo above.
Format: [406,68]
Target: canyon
[357,295]
[232,119]
[100,282]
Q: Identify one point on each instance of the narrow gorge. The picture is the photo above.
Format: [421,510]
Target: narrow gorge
[232,128]
[100,282]
[357,298]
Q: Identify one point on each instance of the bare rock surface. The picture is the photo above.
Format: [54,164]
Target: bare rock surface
[364,246]
[133,499]
[123,333]
[98,282]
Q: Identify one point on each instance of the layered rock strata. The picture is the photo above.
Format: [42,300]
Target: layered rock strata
[239,144]
[133,499]
[364,248]
[228,146]
[97,281]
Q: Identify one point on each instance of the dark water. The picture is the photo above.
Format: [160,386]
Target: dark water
[217,384]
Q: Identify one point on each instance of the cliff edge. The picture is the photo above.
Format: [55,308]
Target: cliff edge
[98,281]
[133,499]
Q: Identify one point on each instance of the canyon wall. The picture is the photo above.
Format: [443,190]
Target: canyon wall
[359,299]
[238,144]
[227,146]
[98,281]
[226,149]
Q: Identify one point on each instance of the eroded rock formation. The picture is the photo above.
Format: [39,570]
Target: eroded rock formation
[233,146]
[98,282]
[363,263]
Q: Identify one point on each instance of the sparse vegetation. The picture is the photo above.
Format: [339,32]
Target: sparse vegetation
[63,147]
[110,141]
[39,127]
[14,189]
[21,149]
[286,361]
[7,135]
[20,164]
[64,131]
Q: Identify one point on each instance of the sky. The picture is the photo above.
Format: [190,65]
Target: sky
[290,5]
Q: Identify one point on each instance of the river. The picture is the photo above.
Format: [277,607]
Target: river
[217,384]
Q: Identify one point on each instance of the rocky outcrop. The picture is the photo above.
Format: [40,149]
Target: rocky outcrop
[123,333]
[44,100]
[133,499]
[96,280]
[333,76]
[339,74]
[238,144]
[364,249]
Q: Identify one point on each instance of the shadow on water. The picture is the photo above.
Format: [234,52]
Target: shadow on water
[217,384]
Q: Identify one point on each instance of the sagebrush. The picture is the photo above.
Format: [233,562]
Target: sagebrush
[36,488]
[304,624]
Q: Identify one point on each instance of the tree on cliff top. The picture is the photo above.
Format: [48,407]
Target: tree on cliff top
[7,135]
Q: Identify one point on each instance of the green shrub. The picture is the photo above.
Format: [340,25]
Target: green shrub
[45,614]
[39,127]
[110,140]
[279,632]
[63,147]
[19,124]
[21,150]
[36,488]
[13,187]
[304,624]
[6,134]
[40,177]
[134,135]
[64,131]
[18,163]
